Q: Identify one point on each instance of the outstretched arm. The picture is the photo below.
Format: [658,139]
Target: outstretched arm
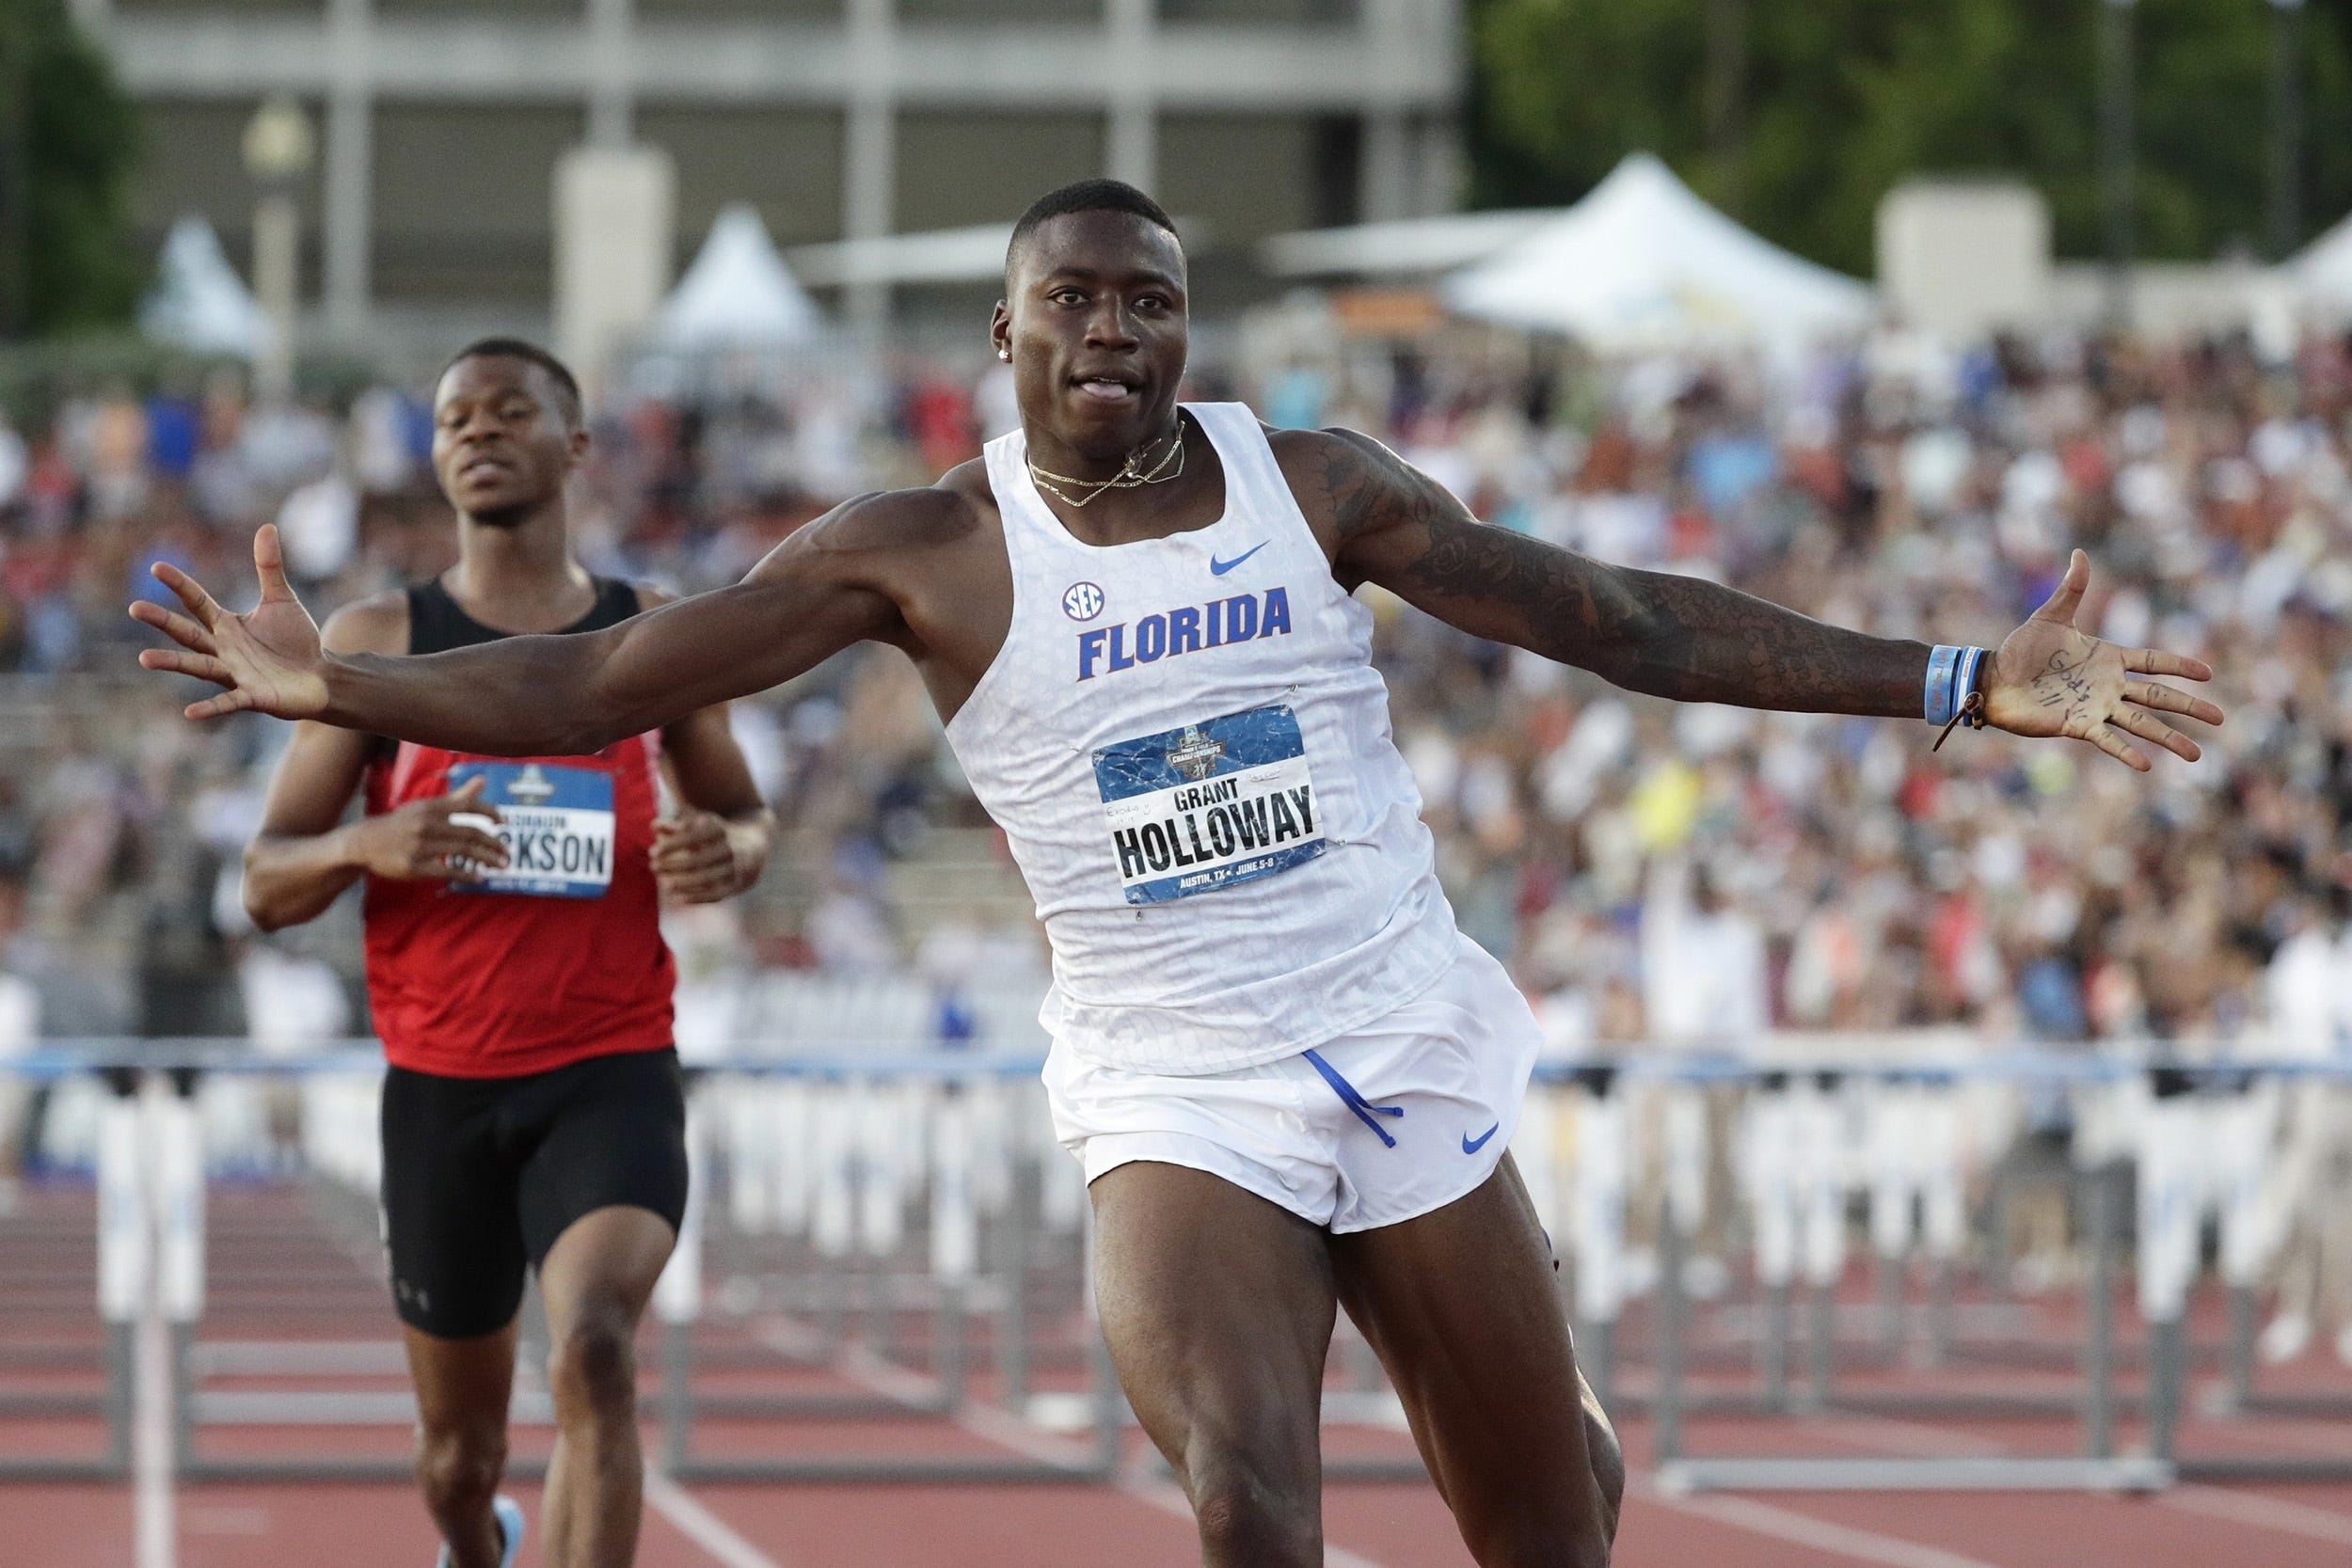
[1653,632]
[1696,640]
[537,696]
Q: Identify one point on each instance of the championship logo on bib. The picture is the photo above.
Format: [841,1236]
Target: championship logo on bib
[557,827]
[1208,805]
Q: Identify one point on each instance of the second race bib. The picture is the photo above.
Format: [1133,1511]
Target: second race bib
[557,827]
[1207,806]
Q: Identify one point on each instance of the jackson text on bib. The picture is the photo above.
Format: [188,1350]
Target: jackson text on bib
[556,823]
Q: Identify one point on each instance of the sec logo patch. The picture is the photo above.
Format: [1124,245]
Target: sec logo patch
[1082,601]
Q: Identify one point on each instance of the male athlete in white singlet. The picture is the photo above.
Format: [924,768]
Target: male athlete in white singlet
[1291,1083]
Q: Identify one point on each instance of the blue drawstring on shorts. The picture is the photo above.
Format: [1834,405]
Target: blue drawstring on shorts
[1363,1108]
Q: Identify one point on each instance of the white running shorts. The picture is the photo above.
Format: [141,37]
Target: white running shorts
[1382,1124]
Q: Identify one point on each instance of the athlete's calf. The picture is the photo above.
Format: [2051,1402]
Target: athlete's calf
[462,1387]
[596,1280]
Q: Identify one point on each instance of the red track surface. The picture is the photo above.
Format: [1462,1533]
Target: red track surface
[1139,1523]
[1075,1527]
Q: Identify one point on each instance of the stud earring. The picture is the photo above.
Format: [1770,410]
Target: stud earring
[1003,353]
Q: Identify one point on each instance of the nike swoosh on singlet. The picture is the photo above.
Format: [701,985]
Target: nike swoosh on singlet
[1471,1145]
[1219,568]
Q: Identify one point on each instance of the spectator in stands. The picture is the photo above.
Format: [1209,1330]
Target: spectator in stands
[20,1028]
[2310,982]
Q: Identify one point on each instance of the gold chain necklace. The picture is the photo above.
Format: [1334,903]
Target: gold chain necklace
[1128,477]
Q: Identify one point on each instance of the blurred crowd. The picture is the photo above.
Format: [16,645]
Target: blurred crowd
[1695,874]
[1691,877]
[1684,876]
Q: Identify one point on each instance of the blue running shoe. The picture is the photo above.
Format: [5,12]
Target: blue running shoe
[509,1515]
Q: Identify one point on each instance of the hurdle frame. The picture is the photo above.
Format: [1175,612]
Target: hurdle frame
[945,1389]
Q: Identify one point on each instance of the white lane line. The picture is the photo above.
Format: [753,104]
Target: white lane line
[704,1529]
[156,1529]
[1804,1529]
[2262,1512]
[1008,1431]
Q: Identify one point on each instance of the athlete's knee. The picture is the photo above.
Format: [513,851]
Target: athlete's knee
[1252,1511]
[459,1468]
[592,1369]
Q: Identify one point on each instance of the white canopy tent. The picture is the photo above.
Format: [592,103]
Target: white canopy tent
[1404,248]
[1642,262]
[2321,272]
[970,255]
[198,301]
[738,292]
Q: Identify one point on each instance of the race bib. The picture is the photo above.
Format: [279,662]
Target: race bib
[1212,804]
[557,827]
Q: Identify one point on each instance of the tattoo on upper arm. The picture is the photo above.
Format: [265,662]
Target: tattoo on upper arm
[1355,492]
[1501,583]
[1655,632]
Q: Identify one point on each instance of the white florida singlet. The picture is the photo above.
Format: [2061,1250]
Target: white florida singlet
[1189,750]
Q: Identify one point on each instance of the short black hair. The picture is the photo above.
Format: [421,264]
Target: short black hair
[1088,196]
[521,348]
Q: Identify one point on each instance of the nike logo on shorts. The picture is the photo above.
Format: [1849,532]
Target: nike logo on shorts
[1471,1145]
[1219,568]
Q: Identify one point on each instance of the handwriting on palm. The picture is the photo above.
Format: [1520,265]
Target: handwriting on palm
[268,659]
[2050,678]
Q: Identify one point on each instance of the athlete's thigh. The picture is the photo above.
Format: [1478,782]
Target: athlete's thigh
[1462,1305]
[607,1133]
[1218,1308]
[451,1223]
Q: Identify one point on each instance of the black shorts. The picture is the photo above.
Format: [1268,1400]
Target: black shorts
[481,1175]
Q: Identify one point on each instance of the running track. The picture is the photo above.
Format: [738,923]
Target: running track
[1141,1523]
[1143,1526]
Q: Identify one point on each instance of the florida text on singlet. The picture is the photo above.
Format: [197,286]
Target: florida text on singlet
[558,957]
[1189,750]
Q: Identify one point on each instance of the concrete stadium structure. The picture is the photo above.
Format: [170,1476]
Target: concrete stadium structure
[441,122]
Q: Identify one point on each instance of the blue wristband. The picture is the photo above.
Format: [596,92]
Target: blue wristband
[1937,701]
[1964,681]
[1951,676]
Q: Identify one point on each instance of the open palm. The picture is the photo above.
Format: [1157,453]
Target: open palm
[268,659]
[2050,678]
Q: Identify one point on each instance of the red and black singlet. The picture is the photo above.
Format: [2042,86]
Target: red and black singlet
[557,959]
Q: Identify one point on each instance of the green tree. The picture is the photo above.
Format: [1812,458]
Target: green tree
[68,141]
[1797,119]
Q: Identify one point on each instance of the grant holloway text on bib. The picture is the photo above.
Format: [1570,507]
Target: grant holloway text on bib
[1208,805]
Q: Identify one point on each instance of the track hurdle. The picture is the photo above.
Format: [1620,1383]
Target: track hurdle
[34,1258]
[1798,1182]
[905,1227]
[881,1135]
[2194,1137]
[2202,1156]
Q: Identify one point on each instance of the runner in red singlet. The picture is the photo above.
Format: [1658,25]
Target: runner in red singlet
[534,1116]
